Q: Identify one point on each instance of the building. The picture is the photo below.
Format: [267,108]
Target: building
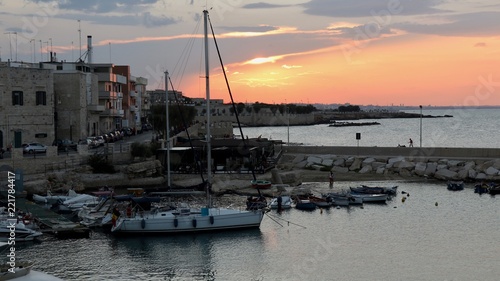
[110,87]
[26,104]
[77,109]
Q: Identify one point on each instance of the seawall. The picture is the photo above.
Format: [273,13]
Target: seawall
[470,164]
[409,152]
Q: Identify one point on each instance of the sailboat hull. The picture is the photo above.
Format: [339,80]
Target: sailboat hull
[212,219]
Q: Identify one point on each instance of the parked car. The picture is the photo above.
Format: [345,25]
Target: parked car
[100,141]
[65,144]
[34,147]
[89,141]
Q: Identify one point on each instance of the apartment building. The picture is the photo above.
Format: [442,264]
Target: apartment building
[26,104]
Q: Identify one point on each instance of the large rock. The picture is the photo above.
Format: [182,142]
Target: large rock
[420,168]
[366,169]
[143,169]
[445,174]
[472,174]
[376,165]
[404,165]
[391,161]
[453,163]
[491,171]
[298,159]
[431,169]
[367,162]
[327,162]
[356,165]
[339,162]
[314,160]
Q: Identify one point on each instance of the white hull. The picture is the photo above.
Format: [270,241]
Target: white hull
[374,198]
[22,233]
[286,203]
[173,222]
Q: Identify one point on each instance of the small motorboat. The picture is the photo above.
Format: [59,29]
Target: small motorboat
[261,184]
[21,232]
[455,185]
[304,204]
[370,198]
[481,188]
[53,198]
[286,202]
[255,203]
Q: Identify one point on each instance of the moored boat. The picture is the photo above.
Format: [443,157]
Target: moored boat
[286,202]
[17,230]
[184,219]
[261,184]
[371,198]
[455,185]
[375,190]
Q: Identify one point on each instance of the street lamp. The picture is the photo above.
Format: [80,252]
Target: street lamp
[420,126]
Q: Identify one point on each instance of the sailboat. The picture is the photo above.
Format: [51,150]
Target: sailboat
[184,218]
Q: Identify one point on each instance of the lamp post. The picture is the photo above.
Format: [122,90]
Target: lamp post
[420,126]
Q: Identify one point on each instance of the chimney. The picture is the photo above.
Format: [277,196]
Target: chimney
[89,48]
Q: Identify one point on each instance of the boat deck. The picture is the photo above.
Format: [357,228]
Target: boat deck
[51,222]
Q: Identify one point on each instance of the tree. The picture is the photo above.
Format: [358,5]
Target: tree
[175,117]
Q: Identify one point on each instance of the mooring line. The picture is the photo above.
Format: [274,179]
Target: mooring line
[289,222]
[274,220]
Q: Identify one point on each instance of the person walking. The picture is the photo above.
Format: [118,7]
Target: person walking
[411,142]
[332,177]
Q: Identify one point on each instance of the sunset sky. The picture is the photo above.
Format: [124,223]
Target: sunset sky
[392,52]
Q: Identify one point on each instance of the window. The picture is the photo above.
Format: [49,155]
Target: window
[41,98]
[17,98]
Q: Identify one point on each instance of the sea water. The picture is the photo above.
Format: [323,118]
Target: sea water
[435,234]
[467,128]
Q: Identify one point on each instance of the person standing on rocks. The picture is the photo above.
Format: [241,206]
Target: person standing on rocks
[332,177]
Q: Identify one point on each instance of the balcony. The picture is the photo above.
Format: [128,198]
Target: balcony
[133,94]
[133,108]
[113,112]
[119,95]
[107,95]
[95,108]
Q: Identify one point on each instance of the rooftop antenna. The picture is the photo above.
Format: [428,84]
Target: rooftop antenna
[10,43]
[80,37]
[41,51]
[109,43]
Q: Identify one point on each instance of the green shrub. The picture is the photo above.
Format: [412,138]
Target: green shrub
[100,165]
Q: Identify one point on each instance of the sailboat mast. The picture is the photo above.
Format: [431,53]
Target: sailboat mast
[207,85]
[167,130]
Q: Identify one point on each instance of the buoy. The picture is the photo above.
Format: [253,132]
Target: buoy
[408,194]
[194,223]
[436,204]
[143,223]
[403,199]
[176,222]
[211,219]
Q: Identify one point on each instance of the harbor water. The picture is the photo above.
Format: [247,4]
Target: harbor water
[435,234]
[467,128]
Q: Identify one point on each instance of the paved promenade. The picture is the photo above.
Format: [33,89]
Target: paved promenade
[408,152]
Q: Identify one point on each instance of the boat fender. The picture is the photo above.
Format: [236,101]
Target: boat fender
[176,222]
[194,223]
[143,223]
[211,219]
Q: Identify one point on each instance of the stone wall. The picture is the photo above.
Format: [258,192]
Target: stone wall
[435,167]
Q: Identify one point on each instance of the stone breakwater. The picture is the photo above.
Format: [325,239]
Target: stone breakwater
[396,166]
